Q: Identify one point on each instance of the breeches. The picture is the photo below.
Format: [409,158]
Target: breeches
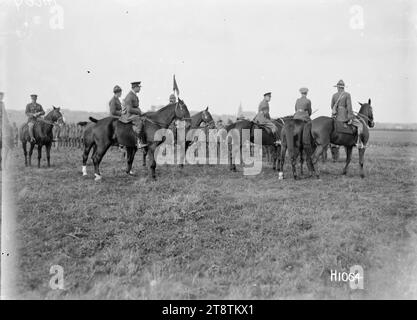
[358,124]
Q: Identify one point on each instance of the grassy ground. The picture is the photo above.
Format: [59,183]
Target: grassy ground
[204,232]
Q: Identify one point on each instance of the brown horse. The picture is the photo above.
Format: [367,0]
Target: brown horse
[109,131]
[268,139]
[320,132]
[42,132]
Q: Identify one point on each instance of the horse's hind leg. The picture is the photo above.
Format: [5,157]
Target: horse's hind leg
[25,153]
[131,151]
[282,157]
[39,155]
[144,154]
[348,158]
[32,146]
[86,152]
[48,154]
[361,161]
[97,157]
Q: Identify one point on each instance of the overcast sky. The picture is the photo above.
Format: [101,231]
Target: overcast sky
[222,52]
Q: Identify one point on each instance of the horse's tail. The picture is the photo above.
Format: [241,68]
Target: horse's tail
[83,123]
[308,140]
[289,135]
[93,119]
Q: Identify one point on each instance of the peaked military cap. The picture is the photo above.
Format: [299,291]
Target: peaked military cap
[267,94]
[303,90]
[340,84]
[136,84]
[117,89]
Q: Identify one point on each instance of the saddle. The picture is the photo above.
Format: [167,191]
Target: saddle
[343,127]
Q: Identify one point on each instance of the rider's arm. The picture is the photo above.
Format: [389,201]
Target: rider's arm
[309,107]
[113,108]
[27,112]
[42,112]
[349,107]
[129,107]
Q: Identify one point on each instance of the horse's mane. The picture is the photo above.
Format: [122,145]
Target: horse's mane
[154,113]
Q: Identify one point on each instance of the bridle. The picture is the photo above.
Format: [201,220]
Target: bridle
[163,125]
[207,123]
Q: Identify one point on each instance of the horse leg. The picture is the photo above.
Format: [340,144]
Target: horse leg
[86,152]
[316,156]
[302,155]
[131,151]
[152,162]
[32,146]
[348,158]
[282,157]
[144,154]
[39,155]
[294,157]
[98,155]
[361,161]
[25,153]
[48,154]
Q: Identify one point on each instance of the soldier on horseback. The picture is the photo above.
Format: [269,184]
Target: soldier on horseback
[115,104]
[342,110]
[303,106]
[131,113]
[263,118]
[33,111]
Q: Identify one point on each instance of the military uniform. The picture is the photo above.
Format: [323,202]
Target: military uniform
[342,110]
[131,108]
[115,107]
[33,108]
[303,109]
[342,106]
[264,118]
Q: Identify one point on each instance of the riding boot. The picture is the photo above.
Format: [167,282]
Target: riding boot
[32,138]
[141,143]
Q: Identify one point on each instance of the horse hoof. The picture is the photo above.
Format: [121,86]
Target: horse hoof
[281,176]
[130,173]
[98,177]
[362,176]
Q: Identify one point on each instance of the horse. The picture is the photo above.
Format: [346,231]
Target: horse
[268,139]
[320,132]
[42,132]
[292,137]
[203,116]
[109,131]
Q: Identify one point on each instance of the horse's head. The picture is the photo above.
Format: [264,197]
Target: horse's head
[367,113]
[182,113]
[55,116]
[208,119]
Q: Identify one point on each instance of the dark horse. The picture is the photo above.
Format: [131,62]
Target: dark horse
[109,131]
[320,132]
[268,138]
[42,132]
[292,138]
[196,121]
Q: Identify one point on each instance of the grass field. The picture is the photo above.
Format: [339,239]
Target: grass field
[205,232]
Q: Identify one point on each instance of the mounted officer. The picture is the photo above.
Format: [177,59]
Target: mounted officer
[303,106]
[342,110]
[33,111]
[131,113]
[263,117]
[115,104]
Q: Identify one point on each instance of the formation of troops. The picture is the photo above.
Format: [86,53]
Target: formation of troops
[71,135]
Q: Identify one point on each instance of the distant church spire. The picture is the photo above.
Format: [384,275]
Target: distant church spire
[240,110]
